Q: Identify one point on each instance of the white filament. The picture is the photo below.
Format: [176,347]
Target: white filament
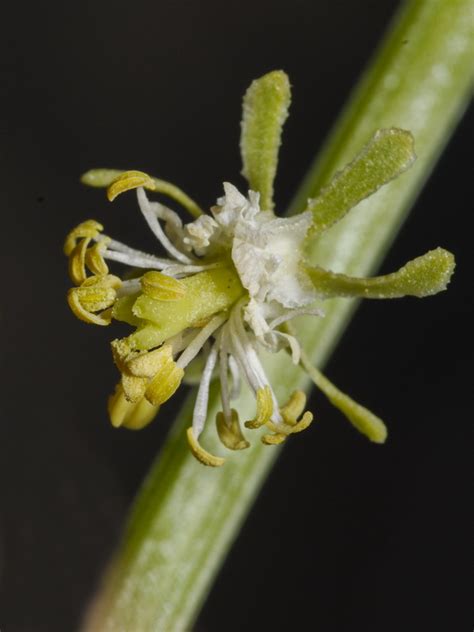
[155,227]
[198,341]
[202,399]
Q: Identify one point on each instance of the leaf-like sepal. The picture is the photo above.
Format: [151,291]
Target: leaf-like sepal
[265,109]
[389,153]
[423,276]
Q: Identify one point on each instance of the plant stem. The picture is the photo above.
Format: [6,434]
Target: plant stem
[187,516]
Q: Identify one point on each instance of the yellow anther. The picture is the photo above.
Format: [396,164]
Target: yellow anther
[274,439]
[133,387]
[77,262]
[127,181]
[133,416]
[149,363]
[121,352]
[89,228]
[150,374]
[94,295]
[231,434]
[164,384]
[202,455]
[264,408]
[94,258]
[294,407]
[289,413]
[296,426]
[161,287]
[303,423]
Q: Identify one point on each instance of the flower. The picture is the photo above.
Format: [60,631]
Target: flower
[231,281]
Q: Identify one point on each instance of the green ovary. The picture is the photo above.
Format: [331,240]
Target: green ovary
[207,293]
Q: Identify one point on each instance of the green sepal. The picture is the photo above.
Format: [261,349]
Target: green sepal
[360,417]
[265,109]
[389,153]
[423,276]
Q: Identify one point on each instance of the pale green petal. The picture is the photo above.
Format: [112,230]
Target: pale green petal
[102,178]
[265,109]
[389,153]
[423,276]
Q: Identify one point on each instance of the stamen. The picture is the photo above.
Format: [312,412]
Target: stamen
[236,379]
[199,340]
[202,455]
[137,261]
[122,352]
[294,313]
[223,369]
[94,294]
[134,387]
[289,341]
[118,246]
[231,433]
[290,413]
[264,408]
[156,229]
[151,374]
[165,383]
[95,258]
[303,423]
[105,177]
[162,287]
[273,439]
[173,224]
[90,228]
[182,270]
[127,414]
[127,181]
[149,363]
[244,353]
[77,262]
[129,287]
[202,399]
[294,407]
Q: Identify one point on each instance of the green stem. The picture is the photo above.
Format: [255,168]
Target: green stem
[187,516]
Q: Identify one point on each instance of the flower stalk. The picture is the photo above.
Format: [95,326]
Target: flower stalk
[187,516]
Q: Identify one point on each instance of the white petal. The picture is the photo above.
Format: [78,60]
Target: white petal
[254,317]
[200,233]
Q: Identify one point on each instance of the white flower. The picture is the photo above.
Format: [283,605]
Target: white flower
[265,250]
[230,280]
[261,256]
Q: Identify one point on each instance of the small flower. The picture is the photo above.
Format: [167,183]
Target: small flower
[230,282]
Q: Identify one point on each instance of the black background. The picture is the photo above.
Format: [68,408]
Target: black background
[345,535]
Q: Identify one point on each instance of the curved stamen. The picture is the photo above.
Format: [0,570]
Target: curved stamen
[236,380]
[223,374]
[245,357]
[178,269]
[202,399]
[156,229]
[294,313]
[198,342]
[137,260]
[248,358]
[128,287]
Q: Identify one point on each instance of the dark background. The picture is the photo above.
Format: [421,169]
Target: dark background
[346,535]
